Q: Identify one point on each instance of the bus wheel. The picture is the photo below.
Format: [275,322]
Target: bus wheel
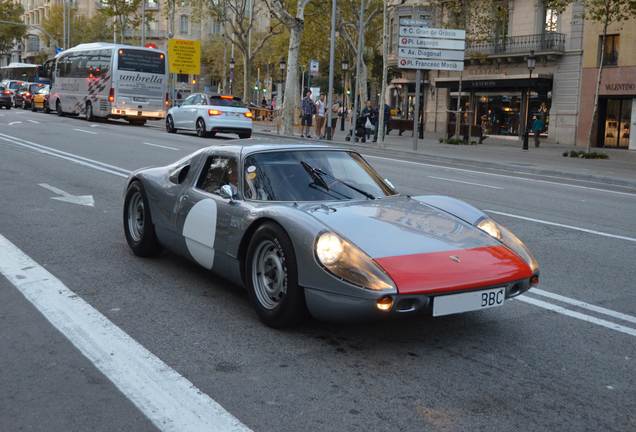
[89,112]
[58,108]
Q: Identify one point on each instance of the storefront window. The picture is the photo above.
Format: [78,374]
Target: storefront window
[616,123]
[501,114]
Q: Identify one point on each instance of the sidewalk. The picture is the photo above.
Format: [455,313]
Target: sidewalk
[619,169]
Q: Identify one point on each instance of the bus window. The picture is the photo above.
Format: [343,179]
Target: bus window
[141,61]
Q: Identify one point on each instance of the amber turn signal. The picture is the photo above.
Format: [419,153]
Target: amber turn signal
[385,303]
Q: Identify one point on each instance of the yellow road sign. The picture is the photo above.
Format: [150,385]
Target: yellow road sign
[184,56]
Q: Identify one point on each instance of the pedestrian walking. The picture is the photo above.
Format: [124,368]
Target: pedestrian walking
[308,108]
[320,117]
[537,127]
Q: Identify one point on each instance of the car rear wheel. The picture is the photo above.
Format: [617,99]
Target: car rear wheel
[245,135]
[201,132]
[170,125]
[58,108]
[138,226]
[272,277]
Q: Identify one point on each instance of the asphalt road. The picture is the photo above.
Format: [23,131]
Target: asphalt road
[563,358]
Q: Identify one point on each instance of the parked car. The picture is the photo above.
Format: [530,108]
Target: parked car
[25,94]
[41,100]
[209,115]
[13,86]
[5,97]
[310,228]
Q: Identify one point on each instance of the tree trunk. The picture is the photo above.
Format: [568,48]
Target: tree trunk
[598,82]
[363,90]
[291,99]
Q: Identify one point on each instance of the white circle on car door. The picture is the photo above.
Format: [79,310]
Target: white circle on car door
[199,231]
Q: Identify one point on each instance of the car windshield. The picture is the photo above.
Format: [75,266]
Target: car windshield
[311,175]
[227,101]
[44,90]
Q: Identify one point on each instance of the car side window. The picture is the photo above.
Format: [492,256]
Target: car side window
[189,100]
[218,171]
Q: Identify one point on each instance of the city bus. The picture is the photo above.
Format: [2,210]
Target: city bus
[104,80]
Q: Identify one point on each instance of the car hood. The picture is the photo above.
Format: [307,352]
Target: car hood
[399,226]
[422,248]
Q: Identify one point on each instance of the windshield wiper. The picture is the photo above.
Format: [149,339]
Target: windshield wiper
[315,175]
[318,173]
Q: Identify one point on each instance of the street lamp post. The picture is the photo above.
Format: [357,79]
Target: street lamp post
[283,66]
[232,63]
[345,67]
[532,63]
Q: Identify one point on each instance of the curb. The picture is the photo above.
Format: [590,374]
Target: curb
[467,163]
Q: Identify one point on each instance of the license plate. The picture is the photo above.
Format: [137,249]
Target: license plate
[470,301]
[139,113]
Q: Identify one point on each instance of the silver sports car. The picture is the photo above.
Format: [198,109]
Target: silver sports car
[314,229]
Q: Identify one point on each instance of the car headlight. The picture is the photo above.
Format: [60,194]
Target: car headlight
[505,236]
[349,263]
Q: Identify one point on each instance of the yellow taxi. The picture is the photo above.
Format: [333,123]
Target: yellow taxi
[41,100]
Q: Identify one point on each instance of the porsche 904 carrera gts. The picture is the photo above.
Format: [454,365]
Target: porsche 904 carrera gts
[314,229]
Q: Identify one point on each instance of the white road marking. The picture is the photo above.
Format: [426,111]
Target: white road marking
[584,305]
[533,180]
[100,166]
[94,125]
[578,315]
[84,200]
[14,123]
[544,222]
[169,400]
[465,182]
[85,131]
[160,146]
[34,121]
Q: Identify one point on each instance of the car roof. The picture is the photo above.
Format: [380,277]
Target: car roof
[246,147]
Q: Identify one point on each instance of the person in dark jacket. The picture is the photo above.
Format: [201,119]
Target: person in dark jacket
[370,113]
[308,108]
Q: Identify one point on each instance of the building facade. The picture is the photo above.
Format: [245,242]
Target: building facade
[616,120]
[497,89]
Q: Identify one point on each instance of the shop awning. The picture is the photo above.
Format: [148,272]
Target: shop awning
[539,84]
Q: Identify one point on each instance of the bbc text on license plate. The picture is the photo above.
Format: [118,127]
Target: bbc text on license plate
[468,301]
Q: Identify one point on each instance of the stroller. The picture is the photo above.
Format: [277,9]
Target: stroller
[360,132]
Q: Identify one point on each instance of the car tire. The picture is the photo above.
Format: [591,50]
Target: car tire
[170,125]
[47,110]
[58,108]
[89,112]
[200,127]
[33,108]
[138,226]
[245,135]
[278,299]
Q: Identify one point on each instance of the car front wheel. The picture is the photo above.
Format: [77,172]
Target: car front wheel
[138,226]
[272,278]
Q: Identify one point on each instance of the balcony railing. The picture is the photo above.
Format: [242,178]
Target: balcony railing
[515,45]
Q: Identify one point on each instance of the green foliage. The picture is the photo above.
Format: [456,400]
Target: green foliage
[611,11]
[10,11]
[83,29]
[125,13]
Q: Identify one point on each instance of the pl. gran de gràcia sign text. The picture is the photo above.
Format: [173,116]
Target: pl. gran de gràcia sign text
[423,47]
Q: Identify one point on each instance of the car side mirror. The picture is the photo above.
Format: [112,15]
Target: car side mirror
[226,192]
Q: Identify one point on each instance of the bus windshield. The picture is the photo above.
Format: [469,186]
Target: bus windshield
[135,60]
